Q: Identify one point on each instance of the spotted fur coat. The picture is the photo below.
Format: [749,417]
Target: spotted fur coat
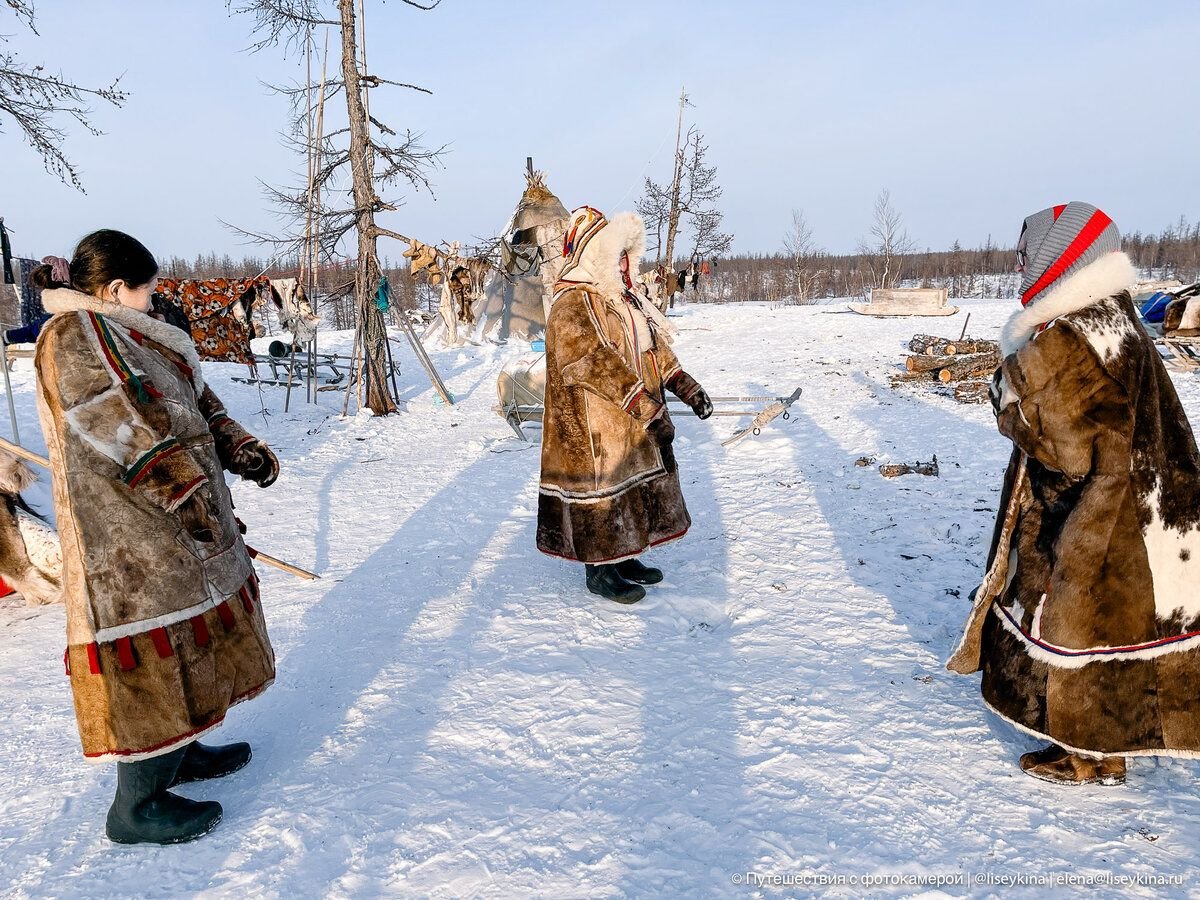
[164,632]
[1095,641]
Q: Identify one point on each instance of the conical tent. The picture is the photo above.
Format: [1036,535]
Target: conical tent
[517,299]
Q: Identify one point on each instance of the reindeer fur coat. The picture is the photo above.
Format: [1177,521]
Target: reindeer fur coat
[1094,643]
[608,490]
[164,633]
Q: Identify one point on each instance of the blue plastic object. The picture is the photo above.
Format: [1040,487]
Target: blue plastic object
[1154,308]
[538,346]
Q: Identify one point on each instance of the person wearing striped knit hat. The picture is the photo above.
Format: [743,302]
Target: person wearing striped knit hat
[1087,626]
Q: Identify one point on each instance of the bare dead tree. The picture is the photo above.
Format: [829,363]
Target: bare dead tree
[352,162]
[691,200]
[884,250]
[804,256]
[37,100]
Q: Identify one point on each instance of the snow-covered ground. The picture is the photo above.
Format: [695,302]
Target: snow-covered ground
[456,716]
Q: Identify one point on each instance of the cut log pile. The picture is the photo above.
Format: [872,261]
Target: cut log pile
[966,363]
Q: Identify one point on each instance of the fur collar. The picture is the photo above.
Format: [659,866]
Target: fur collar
[600,262]
[1104,278]
[68,300]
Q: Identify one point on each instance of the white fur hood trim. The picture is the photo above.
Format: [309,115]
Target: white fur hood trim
[1107,276]
[67,300]
[600,262]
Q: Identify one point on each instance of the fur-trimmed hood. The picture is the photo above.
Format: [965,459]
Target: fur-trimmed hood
[67,300]
[598,261]
[1109,275]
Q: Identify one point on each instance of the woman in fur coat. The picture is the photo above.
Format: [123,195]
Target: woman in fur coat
[1093,639]
[164,627]
[609,486]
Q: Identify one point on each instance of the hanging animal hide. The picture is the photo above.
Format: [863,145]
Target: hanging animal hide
[218,313]
[295,312]
[424,259]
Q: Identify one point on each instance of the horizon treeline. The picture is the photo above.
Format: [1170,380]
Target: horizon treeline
[984,271]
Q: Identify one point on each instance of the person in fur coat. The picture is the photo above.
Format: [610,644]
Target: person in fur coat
[1093,642]
[165,631]
[609,486]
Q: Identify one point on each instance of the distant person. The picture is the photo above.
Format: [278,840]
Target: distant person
[609,485]
[165,630]
[1093,640]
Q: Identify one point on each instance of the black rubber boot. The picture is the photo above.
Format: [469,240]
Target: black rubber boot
[607,582]
[144,813]
[201,762]
[635,570]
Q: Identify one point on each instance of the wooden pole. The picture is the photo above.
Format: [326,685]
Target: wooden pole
[12,409]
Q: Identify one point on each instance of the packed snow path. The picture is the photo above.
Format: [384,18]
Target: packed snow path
[456,716]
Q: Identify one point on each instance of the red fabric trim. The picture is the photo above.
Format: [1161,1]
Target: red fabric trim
[1058,211]
[225,614]
[5,588]
[1103,651]
[254,589]
[67,660]
[602,562]
[162,643]
[166,454]
[632,403]
[211,723]
[93,653]
[200,631]
[1086,237]
[125,654]
[247,600]
[183,491]
[252,552]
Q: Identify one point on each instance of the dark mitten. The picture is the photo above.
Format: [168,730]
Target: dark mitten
[687,389]
[662,430]
[197,518]
[255,462]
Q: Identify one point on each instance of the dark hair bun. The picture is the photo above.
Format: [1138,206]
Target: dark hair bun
[43,278]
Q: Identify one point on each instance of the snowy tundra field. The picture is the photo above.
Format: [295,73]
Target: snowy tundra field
[455,716]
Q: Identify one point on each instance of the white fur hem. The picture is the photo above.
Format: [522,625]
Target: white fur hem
[103,635]
[1094,754]
[1080,658]
[1107,276]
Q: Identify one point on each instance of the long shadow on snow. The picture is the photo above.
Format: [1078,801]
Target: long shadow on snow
[307,751]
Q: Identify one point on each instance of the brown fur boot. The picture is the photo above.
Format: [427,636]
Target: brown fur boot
[1056,765]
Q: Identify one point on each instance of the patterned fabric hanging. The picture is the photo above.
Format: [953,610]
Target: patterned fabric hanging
[218,311]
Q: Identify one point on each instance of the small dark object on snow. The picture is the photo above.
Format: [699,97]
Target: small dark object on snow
[606,581]
[143,812]
[864,461]
[892,470]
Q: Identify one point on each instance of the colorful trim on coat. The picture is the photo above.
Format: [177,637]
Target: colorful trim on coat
[1069,658]
[116,362]
[618,559]
[148,460]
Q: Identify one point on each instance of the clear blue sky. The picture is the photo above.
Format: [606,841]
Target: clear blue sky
[973,114]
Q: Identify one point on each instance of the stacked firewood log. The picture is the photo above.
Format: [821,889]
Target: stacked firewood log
[967,364]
